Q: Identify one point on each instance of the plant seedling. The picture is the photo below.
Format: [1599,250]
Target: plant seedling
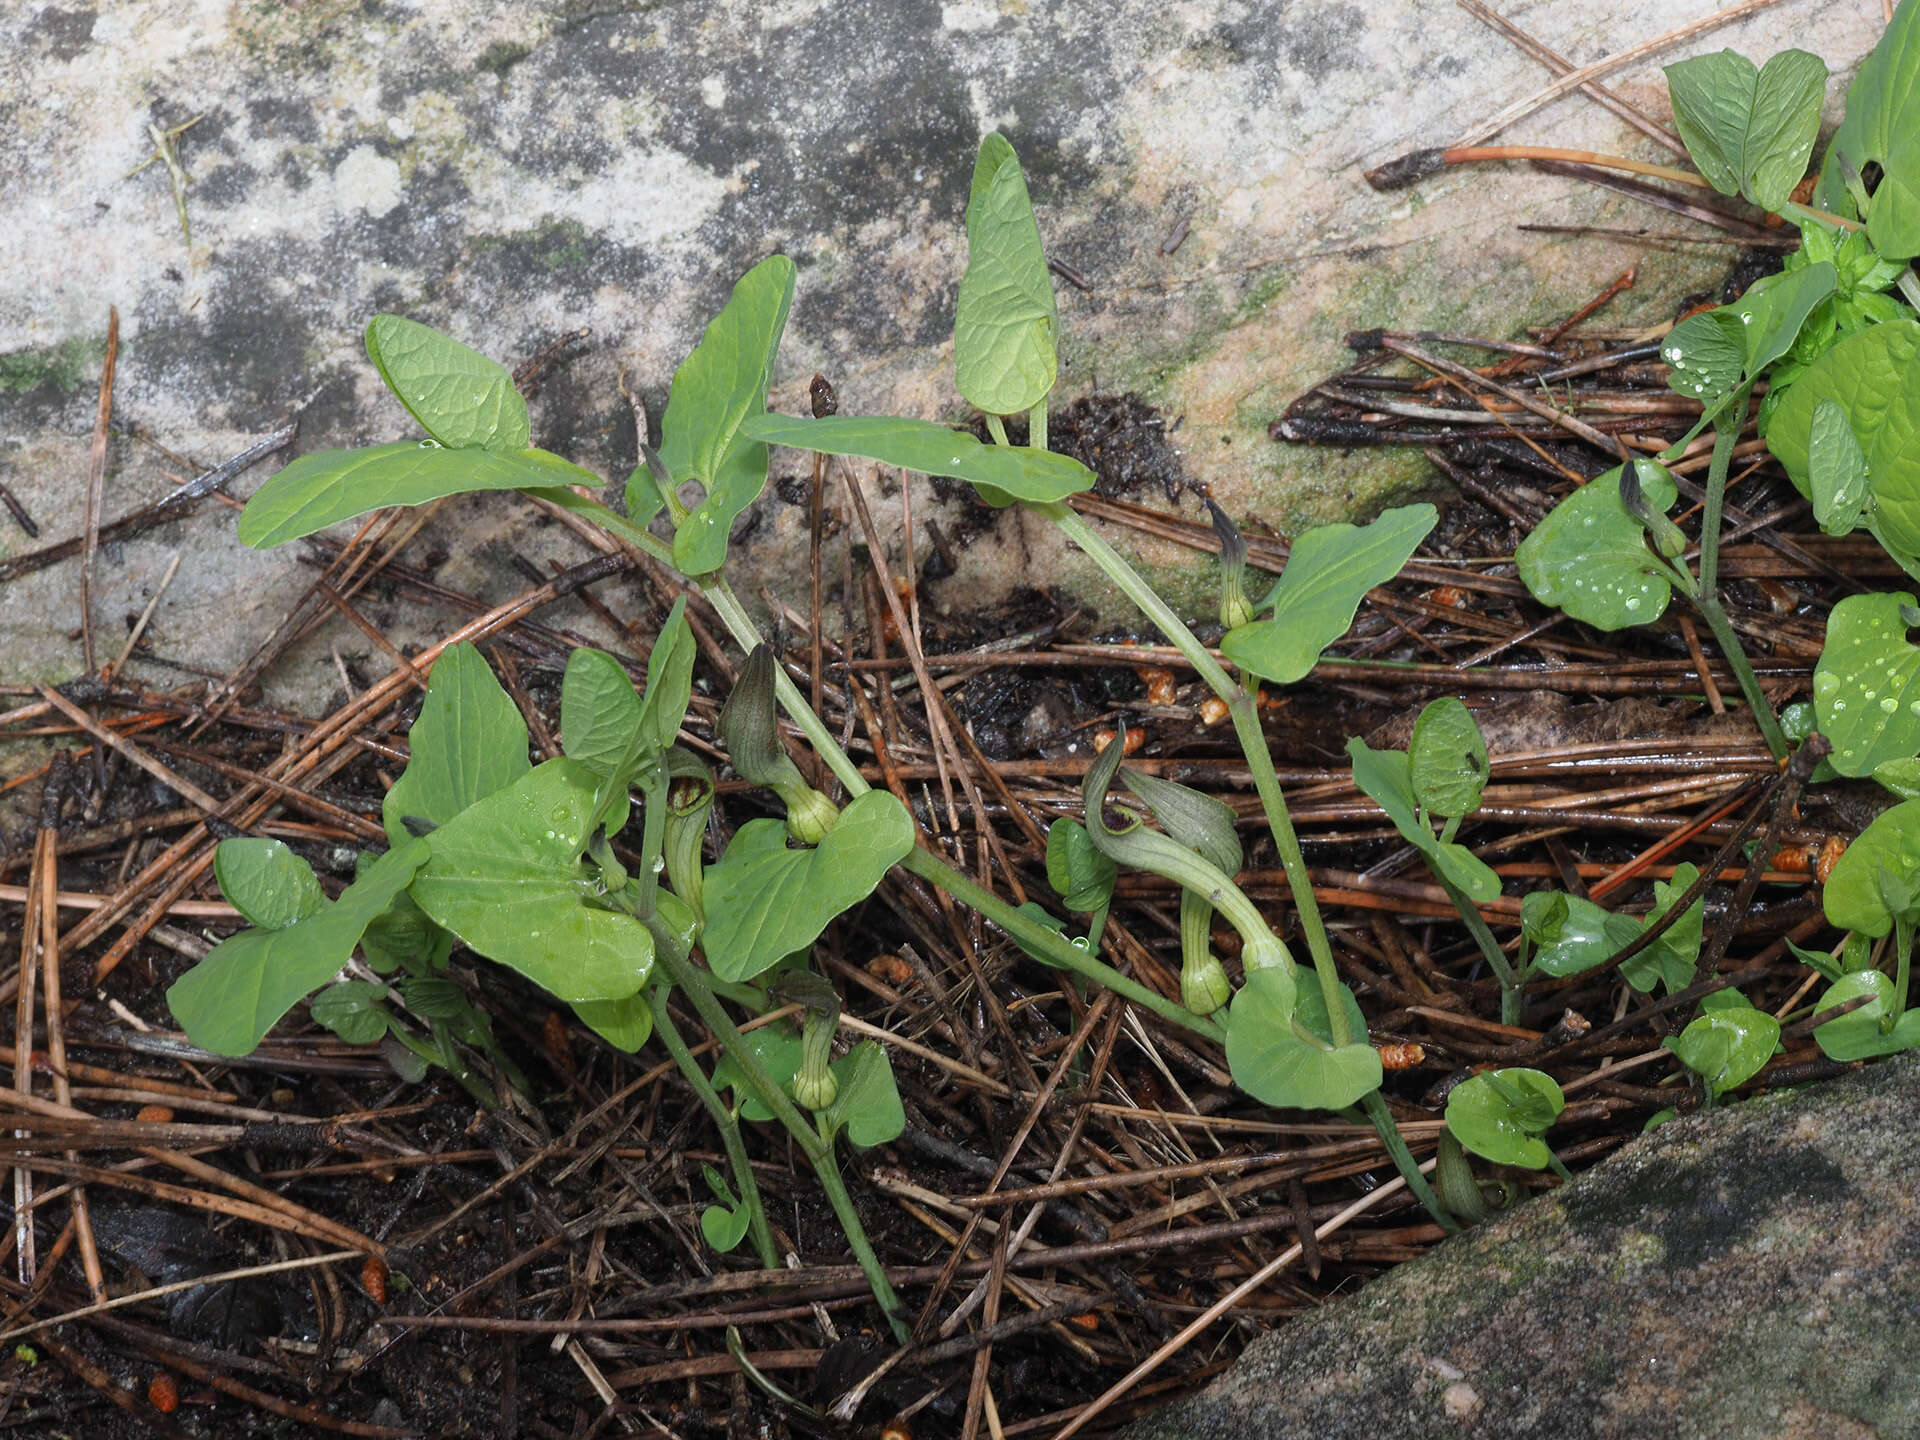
[1728,1044]
[1500,1115]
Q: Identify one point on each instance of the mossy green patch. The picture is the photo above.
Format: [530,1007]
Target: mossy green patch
[65,367]
[501,56]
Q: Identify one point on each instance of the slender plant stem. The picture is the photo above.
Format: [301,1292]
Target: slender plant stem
[818,1151]
[1512,985]
[1253,741]
[1903,968]
[1711,611]
[1037,425]
[1375,1104]
[729,1126]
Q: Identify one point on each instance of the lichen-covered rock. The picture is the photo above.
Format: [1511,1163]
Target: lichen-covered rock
[1752,1274]
[512,172]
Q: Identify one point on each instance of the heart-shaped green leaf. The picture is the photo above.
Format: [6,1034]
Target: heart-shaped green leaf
[1866,686]
[354,1010]
[1081,876]
[1589,556]
[1000,472]
[506,876]
[1578,936]
[1726,1047]
[1329,572]
[459,396]
[1882,128]
[328,486]
[1836,470]
[1873,376]
[1891,843]
[1500,1115]
[866,1104]
[232,998]
[724,1228]
[1670,959]
[1386,778]
[1857,1035]
[1004,321]
[764,901]
[1447,759]
[468,742]
[1708,356]
[719,385]
[1749,129]
[1273,1061]
[266,882]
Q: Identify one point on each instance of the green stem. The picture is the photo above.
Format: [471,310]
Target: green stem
[1708,604]
[1903,938]
[1253,741]
[729,1126]
[1037,425]
[818,1151]
[1511,983]
[1375,1104]
[931,868]
[1706,594]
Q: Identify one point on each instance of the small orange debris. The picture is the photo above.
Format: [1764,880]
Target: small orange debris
[1451,596]
[1401,1057]
[1159,683]
[892,969]
[1269,702]
[373,1275]
[163,1394]
[1088,1322]
[154,1115]
[1135,739]
[1831,849]
[897,1430]
[1212,710]
[1792,860]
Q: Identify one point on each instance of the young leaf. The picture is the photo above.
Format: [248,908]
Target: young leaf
[599,710]
[327,486]
[1447,759]
[866,1102]
[1081,876]
[402,937]
[1589,556]
[506,876]
[1892,843]
[717,387]
[764,901]
[1585,935]
[1882,129]
[624,1024]
[1866,685]
[1385,776]
[468,742]
[1671,958]
[266,882]
[1004,322]
[1750,130]
[353,1010]
[1836,470]
[1901,777]
[777,1047]
[1713,352]
[1857,1034]
[1874,377]
[459,396]
[1500,1115]
[669,678]
[1328,574]
[999,472]
[232,998]
[1727,1046]
[724,1228]
[1273,1062]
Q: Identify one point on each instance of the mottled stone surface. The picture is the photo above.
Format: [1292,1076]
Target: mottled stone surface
[1752,1274]
[510,172]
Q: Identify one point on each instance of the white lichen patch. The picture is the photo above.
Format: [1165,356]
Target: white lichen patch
[367,180]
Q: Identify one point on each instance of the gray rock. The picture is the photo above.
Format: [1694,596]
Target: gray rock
[509,173]
[1751,1274]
